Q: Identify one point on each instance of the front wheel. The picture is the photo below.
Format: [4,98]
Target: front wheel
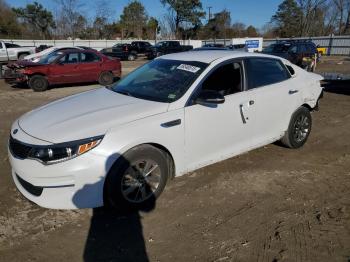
[38,83]
[299,129]
[137,179]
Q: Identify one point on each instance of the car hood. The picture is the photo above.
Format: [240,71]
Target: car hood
[22,64]
[86,115]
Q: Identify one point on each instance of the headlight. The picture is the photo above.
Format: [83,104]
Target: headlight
[62,152]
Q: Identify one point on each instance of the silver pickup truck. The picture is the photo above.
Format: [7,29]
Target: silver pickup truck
[13,52]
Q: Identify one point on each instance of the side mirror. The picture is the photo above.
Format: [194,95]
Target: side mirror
[209,97]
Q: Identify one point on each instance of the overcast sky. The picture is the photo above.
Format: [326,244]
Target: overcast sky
[249,12]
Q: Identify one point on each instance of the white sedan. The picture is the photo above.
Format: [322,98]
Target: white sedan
[120,145]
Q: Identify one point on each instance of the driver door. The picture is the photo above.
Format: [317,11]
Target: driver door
[66,69]
[216,132]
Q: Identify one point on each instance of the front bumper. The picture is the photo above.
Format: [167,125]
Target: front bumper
[76,183]
[14,77]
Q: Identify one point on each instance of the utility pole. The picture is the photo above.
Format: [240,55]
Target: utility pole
[209,8]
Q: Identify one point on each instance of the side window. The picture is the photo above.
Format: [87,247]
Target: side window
[226,79]
[293,49]
[291,70]
[89,58]
[264,71]
[302,49]
[70,58]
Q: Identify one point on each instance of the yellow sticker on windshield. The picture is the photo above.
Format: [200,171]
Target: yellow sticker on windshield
[188,68]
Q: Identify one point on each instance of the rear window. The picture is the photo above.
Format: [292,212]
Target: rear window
[265,71]
[9,45]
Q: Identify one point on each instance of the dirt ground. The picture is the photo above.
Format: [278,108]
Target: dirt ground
[271,204]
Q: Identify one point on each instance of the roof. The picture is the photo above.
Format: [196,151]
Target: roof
[208,56]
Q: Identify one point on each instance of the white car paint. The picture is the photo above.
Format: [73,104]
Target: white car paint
[206,135]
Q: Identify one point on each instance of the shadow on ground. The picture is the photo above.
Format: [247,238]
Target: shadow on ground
[115,237]
[115,234]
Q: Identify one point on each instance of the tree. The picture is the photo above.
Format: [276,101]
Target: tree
[9,27]
[37,16]
[67,17]
[251,31]
[287,19]
[189,11]
[133,19]
[152,28]
[218,26]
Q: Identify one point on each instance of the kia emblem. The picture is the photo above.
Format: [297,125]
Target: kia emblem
[15,131]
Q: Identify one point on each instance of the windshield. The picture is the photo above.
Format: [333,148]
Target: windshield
[50,57]
[161,80]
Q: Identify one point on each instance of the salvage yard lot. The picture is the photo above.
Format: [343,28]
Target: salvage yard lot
[271,204]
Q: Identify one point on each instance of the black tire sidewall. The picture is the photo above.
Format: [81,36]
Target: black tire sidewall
[131,57]
[102,81]
[113,191]
[300,111]
[34,79]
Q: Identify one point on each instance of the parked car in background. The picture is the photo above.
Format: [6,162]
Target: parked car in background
[301,53]
[167,47]
[121,51]
[141,47]
[37,56]
[214,45]
[120,145]
[13,52]
[42,48]
[60,67]
[238,47]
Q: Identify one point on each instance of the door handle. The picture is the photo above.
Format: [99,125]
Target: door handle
[171,123]
[291,92]
[242,115]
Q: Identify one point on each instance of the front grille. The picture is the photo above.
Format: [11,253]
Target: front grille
[34,190]
[19,149]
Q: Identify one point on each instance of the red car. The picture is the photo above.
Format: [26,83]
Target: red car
[62,67]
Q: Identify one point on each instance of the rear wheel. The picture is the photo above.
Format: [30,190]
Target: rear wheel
[106,78]
[22,56]
[137,179]
[38,83]
[299,129]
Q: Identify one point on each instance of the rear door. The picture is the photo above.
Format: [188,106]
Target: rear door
[65,69]
[272,97]
[89,66]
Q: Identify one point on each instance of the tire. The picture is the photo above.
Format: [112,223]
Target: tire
[106,78]
[299,129]
[131,57]
[126,180]
[22,56]
[38,83]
